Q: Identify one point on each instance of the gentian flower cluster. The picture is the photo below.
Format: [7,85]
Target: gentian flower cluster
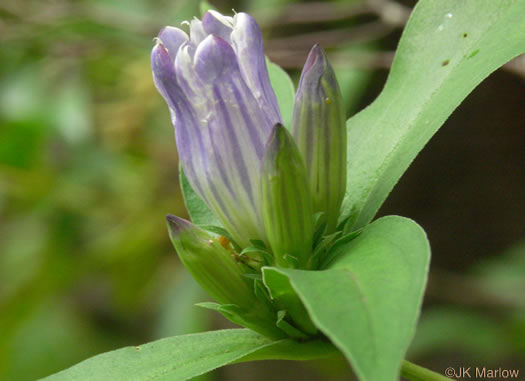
[269,185]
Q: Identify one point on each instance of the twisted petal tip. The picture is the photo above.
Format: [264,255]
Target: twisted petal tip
[315,54]
[317,64]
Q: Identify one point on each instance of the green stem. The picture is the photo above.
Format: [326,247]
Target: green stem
[413,372]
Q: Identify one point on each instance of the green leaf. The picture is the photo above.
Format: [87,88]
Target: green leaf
[184,357]
[448,47]
[367,302]
[199,212]
[284,90]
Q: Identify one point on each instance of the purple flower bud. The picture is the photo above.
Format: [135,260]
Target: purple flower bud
[216,84]
[223,108]
[319,129]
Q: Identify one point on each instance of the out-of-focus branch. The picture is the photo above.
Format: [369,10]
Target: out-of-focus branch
[390,12]
[290,52]
[305,13]
[26,21]
[331,38]
[294,59]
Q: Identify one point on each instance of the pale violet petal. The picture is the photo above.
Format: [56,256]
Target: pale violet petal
[172,38]
[247,42]
[217,24]
[197,32]
[237,125]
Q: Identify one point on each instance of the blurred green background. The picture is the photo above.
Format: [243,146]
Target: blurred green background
[88,169]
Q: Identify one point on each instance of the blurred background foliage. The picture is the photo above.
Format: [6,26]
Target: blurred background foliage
[88,169]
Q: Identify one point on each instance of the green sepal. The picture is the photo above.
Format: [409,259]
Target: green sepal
[259,244]
[320,227]
[332,253]
[285,298]
[252,276]
[246,318]
[199,212]
[323,247]
[290,330]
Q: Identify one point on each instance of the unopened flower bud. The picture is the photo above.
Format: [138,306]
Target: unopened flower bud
[210,263]
[287,204]
[216,84]
[215,268]
[319,130]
